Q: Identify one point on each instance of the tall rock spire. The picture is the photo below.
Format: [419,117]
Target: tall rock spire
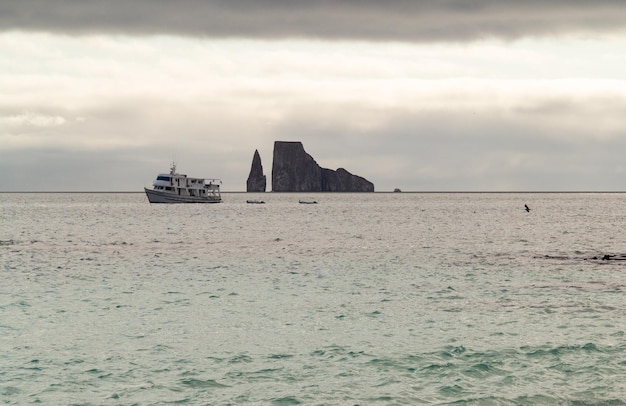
[256,180]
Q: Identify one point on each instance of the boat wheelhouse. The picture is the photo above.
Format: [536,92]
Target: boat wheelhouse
[179,188]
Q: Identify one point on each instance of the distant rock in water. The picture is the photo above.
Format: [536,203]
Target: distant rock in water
[256,180]
[600,257]
[293,170]
[607,257]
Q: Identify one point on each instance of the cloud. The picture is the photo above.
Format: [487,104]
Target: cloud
[395,20]
[31,120]
[532,143]
[109,112]
[555,143]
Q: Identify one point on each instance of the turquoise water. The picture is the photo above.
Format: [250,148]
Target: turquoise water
[361,299]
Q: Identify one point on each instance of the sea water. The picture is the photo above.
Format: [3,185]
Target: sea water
[361,299]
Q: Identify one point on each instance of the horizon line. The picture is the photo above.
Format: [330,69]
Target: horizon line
[382,192]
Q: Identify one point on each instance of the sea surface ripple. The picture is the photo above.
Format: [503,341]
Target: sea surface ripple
[361,299]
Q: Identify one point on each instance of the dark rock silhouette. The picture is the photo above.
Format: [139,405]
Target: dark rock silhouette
[600,257]
[607,257]
[343,181]
[257,182]
[293,170]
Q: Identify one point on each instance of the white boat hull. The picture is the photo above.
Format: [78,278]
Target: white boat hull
[155,196]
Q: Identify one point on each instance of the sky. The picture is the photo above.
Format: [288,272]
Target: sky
[433,95]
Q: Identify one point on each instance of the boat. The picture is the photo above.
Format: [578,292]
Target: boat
[255,202]
[179,188]
[307,201]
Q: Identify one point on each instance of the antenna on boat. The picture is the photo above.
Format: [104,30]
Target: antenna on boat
[173,167]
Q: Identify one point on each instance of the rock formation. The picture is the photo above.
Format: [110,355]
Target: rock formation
[256,180]
[343,181]
[293,170]
[600,257]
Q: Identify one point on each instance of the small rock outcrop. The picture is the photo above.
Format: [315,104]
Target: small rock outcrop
[293,170]
[600,257]
[256,180]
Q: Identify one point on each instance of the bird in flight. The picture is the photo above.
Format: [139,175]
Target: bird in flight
[527,208]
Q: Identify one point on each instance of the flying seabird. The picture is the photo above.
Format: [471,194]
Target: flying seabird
[527,208]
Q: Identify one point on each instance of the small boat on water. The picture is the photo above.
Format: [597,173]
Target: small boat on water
[307,201]
[255,202]
[179,188]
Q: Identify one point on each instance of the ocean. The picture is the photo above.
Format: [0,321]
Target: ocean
[361,299]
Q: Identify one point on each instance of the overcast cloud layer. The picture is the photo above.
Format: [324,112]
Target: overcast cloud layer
[438,95]
[406,20]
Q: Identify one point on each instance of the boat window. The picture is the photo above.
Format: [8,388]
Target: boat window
[165,178]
